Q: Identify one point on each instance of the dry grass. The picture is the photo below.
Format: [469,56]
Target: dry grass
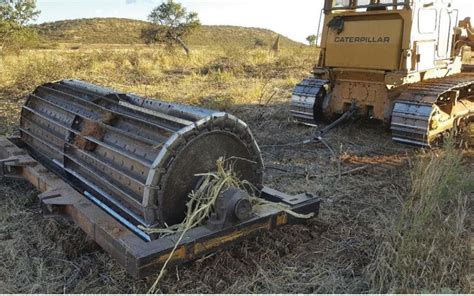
[427,248]
[217,78]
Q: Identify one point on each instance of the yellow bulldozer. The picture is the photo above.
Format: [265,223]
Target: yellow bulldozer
[397,61]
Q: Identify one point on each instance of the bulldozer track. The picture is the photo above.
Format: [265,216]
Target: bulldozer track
[415,108]
[307,97]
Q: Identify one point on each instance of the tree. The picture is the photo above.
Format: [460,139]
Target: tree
[15,15]
[171,24]
[312,39]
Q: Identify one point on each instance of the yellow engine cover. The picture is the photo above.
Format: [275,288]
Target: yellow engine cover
[366,44]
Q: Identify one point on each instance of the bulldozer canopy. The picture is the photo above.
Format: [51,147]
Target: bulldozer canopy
[355,4]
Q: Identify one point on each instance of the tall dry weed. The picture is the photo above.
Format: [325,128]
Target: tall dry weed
[426,249]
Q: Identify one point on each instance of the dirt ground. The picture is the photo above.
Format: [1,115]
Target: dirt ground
[361,184]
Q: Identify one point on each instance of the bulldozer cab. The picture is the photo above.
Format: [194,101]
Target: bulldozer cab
[388,35]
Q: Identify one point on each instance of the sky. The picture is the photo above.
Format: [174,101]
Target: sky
[295,19]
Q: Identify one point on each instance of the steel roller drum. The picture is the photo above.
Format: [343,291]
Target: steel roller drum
[137,156]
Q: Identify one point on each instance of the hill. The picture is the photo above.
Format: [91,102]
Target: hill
[127,31]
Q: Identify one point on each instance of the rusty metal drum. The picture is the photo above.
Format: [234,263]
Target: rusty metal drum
[139,156]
